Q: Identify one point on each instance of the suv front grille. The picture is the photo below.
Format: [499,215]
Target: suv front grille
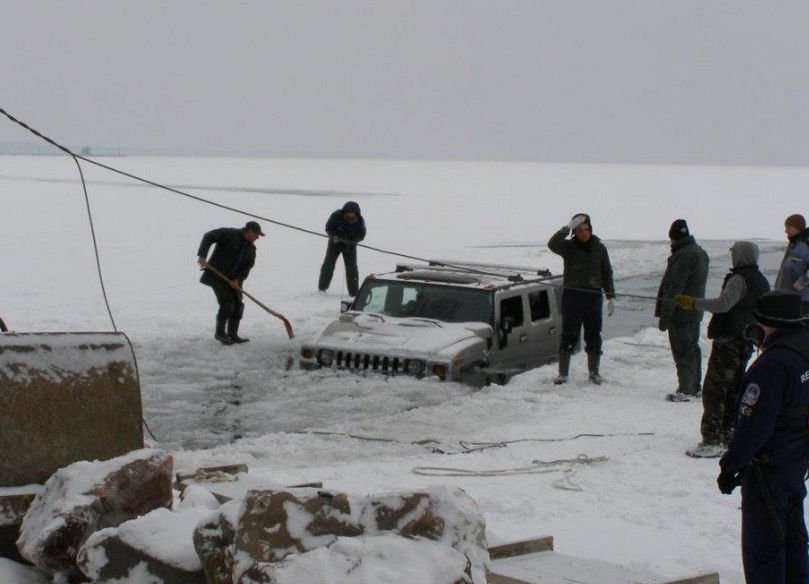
[364,361]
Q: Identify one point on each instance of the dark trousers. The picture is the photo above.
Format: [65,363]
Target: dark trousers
[581,308]
[721,389]
[230,302]
[684,341]
[773,554]
[349,252]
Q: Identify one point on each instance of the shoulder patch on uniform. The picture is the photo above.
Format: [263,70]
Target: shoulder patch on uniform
[751,395]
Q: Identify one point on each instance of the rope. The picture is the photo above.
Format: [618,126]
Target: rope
[86,199]
[466,446]
[536,467]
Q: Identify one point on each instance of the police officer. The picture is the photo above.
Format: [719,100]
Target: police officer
[769,452]
[233,256]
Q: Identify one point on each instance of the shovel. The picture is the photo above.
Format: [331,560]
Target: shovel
[287,324]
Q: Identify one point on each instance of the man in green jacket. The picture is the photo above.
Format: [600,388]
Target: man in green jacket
[686,273]
[587,271]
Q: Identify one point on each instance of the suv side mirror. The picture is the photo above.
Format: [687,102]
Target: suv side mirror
[345,305]
[507,324]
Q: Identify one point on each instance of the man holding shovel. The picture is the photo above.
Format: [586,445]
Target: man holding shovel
[233,258]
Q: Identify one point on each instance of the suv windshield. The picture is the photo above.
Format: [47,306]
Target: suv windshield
[415,299]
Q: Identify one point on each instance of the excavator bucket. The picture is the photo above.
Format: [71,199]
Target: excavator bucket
[65,397]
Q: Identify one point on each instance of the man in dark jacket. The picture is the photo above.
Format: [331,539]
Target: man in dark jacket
[732,313]
[346,228]
[794,271]
[587,271]
[686,273]
[234,256]
[769,452]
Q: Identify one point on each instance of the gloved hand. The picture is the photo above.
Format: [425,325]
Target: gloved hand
[576,221]
[610,306]
[727,482]
[683,301]
[663,324]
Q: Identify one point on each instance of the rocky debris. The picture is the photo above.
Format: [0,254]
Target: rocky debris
[358,560]
[230,482]
[86,497]
[213,541]
[157,547]
[272,525]
[14,503]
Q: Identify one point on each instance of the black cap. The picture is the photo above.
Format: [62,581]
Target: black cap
[781,309]
[254,227]
[679,229]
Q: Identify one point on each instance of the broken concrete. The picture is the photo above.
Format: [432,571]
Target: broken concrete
[88,496]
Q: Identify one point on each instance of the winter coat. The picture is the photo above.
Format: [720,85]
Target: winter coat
[233,255]
[795,266]
[586,264]
[337,225]
[686,273]
[733,310]
[773,408]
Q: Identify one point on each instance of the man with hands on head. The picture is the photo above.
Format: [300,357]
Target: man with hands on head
[587,271]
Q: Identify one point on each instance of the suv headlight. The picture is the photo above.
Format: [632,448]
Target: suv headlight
[414,367]
[325,357]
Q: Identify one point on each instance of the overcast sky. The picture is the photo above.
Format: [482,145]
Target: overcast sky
[681,81]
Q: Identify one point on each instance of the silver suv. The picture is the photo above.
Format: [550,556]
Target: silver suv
[455,320]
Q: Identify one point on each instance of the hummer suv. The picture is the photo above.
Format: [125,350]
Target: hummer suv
[455,320]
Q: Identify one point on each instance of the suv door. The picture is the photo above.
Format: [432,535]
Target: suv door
[512,350]
[544,326]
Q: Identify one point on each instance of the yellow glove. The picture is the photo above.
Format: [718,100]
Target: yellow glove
[684,302]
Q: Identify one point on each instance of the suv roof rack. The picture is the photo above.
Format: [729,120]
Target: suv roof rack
[511,273]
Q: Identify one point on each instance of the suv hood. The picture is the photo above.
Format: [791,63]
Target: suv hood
[376,333]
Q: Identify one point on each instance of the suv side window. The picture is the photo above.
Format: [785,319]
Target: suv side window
[512,307]
[538,301]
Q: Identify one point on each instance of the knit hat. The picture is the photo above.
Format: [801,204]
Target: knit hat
[781,309]
[679,229]
[796,221]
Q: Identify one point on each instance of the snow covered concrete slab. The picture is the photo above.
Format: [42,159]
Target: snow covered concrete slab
[66,397]
[549,567]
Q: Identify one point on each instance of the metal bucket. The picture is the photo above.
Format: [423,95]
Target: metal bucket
[65,397]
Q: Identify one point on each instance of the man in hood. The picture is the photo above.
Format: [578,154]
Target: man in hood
[686,273]
[732,313]
[345,228]
[587,271]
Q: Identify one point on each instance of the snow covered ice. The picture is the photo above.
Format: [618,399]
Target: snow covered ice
[647,505]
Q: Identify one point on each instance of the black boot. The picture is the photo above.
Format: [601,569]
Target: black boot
[233,331]
[564,367]
[593,363]
[220,334]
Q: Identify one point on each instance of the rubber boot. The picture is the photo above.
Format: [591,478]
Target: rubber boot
[564,367]
[593,362]
[220,334]
[233,331]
